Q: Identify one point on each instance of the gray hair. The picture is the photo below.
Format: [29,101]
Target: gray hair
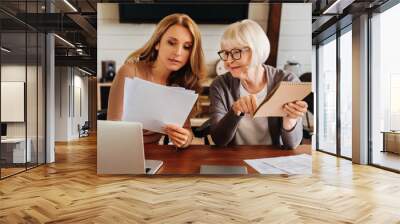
[247,33]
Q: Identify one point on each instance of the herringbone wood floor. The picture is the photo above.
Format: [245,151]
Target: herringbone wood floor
[69,191]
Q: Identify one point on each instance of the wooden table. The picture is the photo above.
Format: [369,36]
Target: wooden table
[188,161]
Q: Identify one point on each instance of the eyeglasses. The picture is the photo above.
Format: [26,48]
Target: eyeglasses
[235,53]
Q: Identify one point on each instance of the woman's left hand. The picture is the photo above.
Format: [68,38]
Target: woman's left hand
[180,137]
[294,111]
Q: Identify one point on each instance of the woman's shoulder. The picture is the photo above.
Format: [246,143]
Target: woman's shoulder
[224,80]
[130,70]
[278,74]
[127,70]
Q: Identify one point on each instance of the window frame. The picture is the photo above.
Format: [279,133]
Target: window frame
[334,37]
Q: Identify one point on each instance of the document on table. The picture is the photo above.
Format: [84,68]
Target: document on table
[156,105]
[297,164]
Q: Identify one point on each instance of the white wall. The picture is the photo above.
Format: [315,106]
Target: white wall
[295,37]
[259,12]
[17,73]
[33,127]
[62,81]
[14,73]
[81,83]
[68,81]
[115,41]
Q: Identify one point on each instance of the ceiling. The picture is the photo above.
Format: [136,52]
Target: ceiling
[332,15]
[76,25]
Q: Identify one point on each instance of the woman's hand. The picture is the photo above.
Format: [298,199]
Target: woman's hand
[245,104]
[294,111]
[180,137]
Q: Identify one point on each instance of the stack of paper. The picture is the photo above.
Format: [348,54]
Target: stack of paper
[298,164]
[156,105]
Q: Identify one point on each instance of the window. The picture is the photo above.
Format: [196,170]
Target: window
[346,94]
[327,96]
[22,66]
[385,88]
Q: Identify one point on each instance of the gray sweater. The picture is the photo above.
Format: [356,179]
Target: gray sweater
[224,91]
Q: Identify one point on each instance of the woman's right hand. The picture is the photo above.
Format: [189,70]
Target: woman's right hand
[245,104]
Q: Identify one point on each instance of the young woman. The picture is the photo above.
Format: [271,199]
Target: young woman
[244,50]
[172,56]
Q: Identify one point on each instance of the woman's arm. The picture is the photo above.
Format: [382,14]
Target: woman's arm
[292,125]
[224,121]
[292,138]
[116,96]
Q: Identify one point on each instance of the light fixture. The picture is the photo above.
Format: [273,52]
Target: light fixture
[5,50]
[80,51]
[337,7]
[65,41]
[84,71]
[70,5]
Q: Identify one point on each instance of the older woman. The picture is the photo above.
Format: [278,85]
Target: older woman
[235,95]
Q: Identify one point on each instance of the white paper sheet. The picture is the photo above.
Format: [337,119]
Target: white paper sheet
[297,164]
[156,105]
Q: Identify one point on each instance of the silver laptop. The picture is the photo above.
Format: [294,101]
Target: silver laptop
[120,149]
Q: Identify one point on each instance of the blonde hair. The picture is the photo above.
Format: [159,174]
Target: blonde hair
[247,33]
[190,75]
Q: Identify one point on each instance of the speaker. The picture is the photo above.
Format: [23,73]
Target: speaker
[3,129]
[108,71]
